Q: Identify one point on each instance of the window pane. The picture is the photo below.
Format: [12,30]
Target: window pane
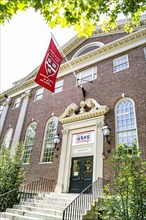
[87,75]
[88,168]
[7,138]
[17,102]
[49,141]
[39,94]
[76,167]
[125,122]
[29,141]
[120,63]
[59,86]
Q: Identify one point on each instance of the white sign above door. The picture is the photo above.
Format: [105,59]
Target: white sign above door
[83,138]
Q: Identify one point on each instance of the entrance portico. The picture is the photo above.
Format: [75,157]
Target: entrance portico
[81,159]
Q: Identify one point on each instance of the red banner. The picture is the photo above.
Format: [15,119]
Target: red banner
[49,68]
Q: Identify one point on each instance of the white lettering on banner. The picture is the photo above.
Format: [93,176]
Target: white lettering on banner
[83,138]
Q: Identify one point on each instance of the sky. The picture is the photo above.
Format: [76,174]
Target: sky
[23,44]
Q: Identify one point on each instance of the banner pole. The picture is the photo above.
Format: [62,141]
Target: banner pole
[65,57]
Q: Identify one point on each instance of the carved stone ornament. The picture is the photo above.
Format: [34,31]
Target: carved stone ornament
[7,102]
[88,109]
[27,93]
[100,124]
[70,111]
[65,131]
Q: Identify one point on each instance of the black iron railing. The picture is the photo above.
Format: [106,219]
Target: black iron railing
[81,203]
[26,191]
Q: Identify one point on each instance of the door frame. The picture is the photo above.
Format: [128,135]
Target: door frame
[69,129]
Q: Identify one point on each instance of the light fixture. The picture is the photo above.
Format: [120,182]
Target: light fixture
[56,141]
[106,131]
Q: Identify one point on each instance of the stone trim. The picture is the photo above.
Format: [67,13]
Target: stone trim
[75,41]
[74,113]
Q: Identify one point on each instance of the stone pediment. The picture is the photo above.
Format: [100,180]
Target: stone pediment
[87,109]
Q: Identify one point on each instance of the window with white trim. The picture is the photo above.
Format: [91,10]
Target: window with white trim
[144,50]
[1,110]
[7,138]
[49,146]
[59,86]
[120,63]
[39,94]
[29,141]
[17,102]
[126,129]
[87,75]
[87,48]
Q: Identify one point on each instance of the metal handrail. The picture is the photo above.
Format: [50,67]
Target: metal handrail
[26,191]
[82,202]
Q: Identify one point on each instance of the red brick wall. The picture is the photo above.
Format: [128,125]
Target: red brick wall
[107,89]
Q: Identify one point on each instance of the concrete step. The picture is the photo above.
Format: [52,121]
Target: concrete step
[11,216]
[54,196]
[43,205]
[49,202]
[50,199]
[33,215]
[40,210]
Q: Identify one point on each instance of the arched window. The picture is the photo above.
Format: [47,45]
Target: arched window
[29,141]
[126,129]
[87,48]
[51,130]
[7,138]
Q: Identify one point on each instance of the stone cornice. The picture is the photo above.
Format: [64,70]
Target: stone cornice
[88,59]
[120,42]
[75,41]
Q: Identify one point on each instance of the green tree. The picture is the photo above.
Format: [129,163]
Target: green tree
[127,198]
[82,14]
[11,176]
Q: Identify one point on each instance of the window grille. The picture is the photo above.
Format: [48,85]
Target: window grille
[59,86]
[120,63]
[39,94]
[17,102]
[126,130]
[7,138]
[29,141]
[87,75]
[49,145]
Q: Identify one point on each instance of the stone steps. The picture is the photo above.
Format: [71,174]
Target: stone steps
[43,207]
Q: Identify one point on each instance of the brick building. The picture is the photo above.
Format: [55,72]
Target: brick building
[112,70]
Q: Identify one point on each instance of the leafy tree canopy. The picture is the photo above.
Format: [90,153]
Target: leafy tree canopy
[82,14]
